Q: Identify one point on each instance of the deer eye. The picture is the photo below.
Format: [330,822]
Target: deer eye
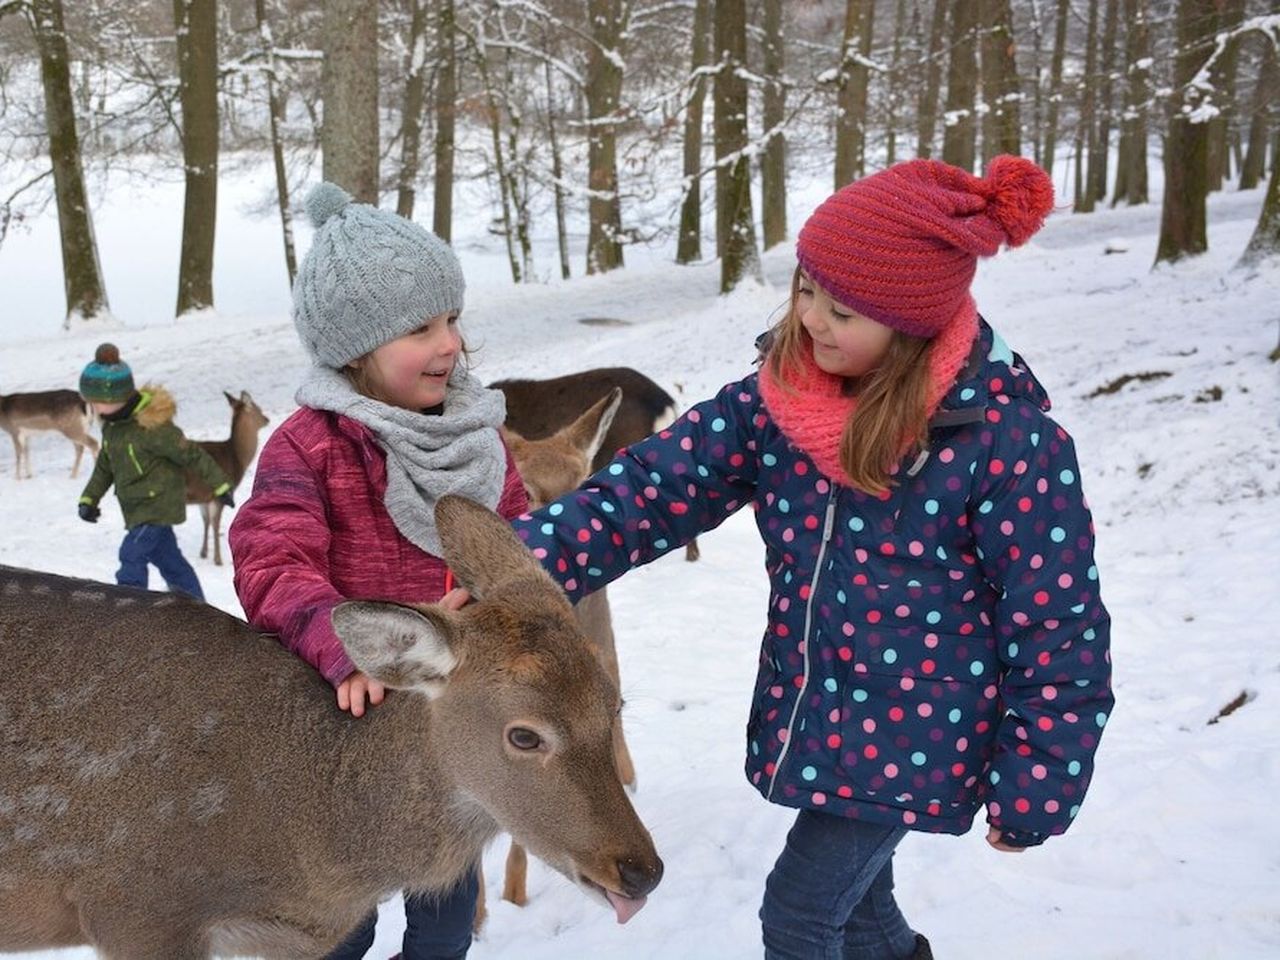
[522,738]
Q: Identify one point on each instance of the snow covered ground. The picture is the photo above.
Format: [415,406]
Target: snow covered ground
[1176,853]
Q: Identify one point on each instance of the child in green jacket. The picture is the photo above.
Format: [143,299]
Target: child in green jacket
[146,456]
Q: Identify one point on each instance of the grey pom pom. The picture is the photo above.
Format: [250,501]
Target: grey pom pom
[325,200]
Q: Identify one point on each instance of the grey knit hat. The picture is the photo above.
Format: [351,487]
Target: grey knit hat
[369,277]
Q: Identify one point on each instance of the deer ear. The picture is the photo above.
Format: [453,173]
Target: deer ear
[588,431]
[230,399]
[400,647]
[482,549]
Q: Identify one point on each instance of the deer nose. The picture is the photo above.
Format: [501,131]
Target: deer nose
[639,878]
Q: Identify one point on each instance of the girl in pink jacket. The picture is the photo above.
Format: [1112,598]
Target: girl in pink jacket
[344,495]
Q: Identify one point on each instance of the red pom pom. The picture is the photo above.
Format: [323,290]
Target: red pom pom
[107,353]
[1020,197]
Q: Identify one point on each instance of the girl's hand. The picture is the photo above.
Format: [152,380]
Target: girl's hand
[993,838]
[456,599]
[353,690]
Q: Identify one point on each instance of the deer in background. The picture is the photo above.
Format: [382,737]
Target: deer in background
[242,813]
[233,455]
[549,467]
[22,414]
[538,408]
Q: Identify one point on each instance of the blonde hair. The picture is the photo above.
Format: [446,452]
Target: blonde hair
[891,418]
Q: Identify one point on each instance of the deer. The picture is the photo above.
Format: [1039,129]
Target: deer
[240,812]
[233,455]
[538,408]
[549,467]
[22,414]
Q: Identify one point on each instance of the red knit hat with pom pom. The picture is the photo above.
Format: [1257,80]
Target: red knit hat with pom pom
[901,246]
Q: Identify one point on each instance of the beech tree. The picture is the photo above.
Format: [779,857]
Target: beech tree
[735,226]
[349,84]
[195,24]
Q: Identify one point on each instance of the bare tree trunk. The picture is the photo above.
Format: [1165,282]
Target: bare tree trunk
[851,123]
[1186,154]
[735,225]
[773,166]
[1101,147]
[1086,131]
[557,172]
[689,243]
[1055,85]
[1131,165]
[1222,128]
[275,110]
[604,98]
[349,84]
[1265,242]
[1037,70]
[446,95]
[1001,124]
[961,130]
[196,27]
[927,108]
[494,116]
[517,172]
[1254,167]
[896,82]
[81,272]
[415,84]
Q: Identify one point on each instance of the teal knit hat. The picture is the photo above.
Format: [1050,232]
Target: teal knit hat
[108,379]
[370,276]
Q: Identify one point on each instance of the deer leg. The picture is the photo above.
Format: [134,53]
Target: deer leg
[17,456]
[204,541]
[691,550]
[514,888]
[75,467]
[144,936]
[482,910]
[216,509]
[26,454]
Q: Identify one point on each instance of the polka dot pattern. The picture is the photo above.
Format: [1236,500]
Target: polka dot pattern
[958,649]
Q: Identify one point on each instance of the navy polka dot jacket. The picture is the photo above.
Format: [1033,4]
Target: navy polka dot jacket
[926,653]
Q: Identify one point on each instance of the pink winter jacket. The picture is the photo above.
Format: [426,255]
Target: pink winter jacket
[315,532]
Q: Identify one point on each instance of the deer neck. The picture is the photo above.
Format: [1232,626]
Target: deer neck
[244,441]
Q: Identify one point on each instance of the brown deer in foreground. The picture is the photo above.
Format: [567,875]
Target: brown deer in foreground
[240,812]
[22,414]
[233,455]
[549,467]
[538,408]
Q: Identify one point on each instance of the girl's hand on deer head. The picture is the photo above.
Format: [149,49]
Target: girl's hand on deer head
[456,599]
[353,691]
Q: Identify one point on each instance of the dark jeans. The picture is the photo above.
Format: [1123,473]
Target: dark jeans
[437,927]
[830,895]
[155,544]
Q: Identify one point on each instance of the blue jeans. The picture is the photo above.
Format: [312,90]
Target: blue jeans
[830,895]
[156,544]
[437,927]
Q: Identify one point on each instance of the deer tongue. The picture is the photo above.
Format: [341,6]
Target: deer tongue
[625,907]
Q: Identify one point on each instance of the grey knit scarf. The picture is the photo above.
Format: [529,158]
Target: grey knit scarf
[457,451]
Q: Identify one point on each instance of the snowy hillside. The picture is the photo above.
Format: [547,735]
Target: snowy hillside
[1176,853]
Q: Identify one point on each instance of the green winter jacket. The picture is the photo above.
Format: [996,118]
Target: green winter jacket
[146,456]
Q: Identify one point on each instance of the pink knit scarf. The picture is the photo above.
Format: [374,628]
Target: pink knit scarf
[812,409]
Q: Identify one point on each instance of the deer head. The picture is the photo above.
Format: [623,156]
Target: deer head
[558,463]
[522,714]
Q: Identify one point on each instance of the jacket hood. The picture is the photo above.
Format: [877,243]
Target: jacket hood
[992,370]
[156,408]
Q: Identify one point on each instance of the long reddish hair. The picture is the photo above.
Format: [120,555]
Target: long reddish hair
[891,418]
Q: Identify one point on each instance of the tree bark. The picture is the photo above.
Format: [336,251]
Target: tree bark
[1055,85]
[1186,155]
[415,85]
[1222,128]
[1254,167]
[446,96]
[773,165]
[557,173]
[735,226]
[1101,147]
[604,98]
[1036,133]
[81,272]
[689,243]
[927,108]
[1001,89]
[196,27]
[896,82]
[275,112]
[349,84]
[1131,163]
[961,130]
[851,122]
[1265,242]
[1086,132]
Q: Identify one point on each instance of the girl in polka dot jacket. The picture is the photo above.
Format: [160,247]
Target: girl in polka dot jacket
[935,641]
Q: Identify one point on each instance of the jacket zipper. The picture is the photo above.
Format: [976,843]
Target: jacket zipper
[827,527]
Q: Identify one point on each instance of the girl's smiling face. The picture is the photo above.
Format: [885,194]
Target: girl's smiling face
[845,343]
[412,371]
